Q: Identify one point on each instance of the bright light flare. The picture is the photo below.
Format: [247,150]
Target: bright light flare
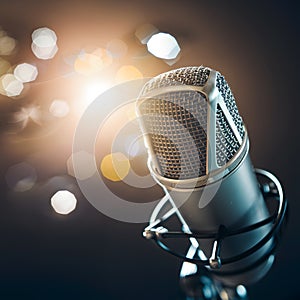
[10,86]
[63,202]
[59,108]
[115,166]
[91,91]
[44,43]
[163,45]
[26,72]
[94,89]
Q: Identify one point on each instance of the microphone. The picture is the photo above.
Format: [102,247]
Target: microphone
[198,152]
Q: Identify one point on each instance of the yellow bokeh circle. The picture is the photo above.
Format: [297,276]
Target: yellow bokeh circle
[115,166]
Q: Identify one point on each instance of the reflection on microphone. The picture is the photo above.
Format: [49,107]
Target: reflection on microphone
[198,152]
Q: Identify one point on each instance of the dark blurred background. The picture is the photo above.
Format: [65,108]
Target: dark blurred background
[87,255]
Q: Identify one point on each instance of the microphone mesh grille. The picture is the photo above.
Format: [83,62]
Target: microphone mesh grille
[176,123]
[186,76]
[226,142]
[229,100]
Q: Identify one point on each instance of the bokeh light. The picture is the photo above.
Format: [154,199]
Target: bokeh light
[241,291]
[21,177]
[224,295]
[85,162]
[26,72]
[163,45]
[44,52]
[116,48]
[144,32]
[63,202]
[128,72]
[115,166]
[44,37]
[7,44]
[90,63]
[44,43]
[10,85]
[4,66]
[59,108]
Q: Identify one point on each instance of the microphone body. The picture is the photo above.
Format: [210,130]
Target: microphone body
[198,151]
[238,203]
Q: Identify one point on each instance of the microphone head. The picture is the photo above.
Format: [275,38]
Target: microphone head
[191,124]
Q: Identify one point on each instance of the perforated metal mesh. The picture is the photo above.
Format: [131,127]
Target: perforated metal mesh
[229,100]
[176,123]
[226,142]
[186,76]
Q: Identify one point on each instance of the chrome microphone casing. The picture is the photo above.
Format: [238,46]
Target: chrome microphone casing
[207,90]
[226,193]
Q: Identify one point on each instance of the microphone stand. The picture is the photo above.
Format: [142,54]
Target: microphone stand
[196,276]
